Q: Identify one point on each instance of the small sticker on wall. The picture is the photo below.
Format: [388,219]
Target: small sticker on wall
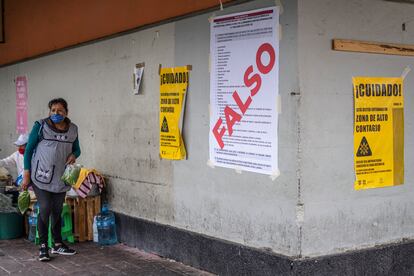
[138,73]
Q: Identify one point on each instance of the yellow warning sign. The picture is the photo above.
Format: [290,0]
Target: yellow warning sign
[378,132]
[173,89]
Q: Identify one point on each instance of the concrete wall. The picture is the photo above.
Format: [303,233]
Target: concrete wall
[247,208]
[119,131]
[337,217]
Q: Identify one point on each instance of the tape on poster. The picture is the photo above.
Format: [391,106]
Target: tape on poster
[210,19]
[279,4]
[280,32]
[275,174]
[209,62]
[279,104]
[405,72]
[210,164]
[238,171]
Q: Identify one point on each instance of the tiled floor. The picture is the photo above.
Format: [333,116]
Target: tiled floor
[19,257]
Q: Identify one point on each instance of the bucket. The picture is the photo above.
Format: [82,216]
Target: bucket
[11,225]
[3,184]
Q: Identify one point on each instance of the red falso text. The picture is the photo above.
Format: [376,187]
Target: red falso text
[253,82]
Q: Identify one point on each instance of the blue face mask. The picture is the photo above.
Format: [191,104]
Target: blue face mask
[56,118]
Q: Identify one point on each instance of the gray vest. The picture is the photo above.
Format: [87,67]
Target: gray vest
[49,158]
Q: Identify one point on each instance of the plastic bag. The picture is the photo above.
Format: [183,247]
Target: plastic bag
[19,180]
[71,174]
[4,174]
[23,201]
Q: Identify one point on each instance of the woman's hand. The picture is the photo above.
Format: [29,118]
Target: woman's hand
[26,180]
[71,159]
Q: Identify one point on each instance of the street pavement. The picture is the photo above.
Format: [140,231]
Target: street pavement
[19,257]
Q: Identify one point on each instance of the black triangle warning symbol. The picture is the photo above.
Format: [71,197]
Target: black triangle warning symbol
[164,126]
[364,149]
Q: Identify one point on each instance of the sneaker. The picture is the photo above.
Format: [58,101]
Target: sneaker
[62,249]
[44,253]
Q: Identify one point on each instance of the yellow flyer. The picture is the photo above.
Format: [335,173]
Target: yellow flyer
[378,132]
[173,88]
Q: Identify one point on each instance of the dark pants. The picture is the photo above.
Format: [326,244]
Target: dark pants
[50,205]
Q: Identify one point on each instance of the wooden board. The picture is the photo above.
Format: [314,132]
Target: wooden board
[84,209]
[372,47]
[1,21]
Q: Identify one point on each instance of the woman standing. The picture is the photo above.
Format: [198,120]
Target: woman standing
[53,143]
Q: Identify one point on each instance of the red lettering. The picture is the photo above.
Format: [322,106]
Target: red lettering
[219,134]
[266,47]
[231,118]
[243,106]
[249,80]
[255,79]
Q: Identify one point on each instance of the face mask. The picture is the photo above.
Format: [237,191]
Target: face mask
[56,118]
[21,151]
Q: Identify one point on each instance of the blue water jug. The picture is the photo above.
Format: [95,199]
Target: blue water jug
[105,222]
[32,221]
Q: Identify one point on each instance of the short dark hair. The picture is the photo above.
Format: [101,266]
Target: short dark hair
[58,101]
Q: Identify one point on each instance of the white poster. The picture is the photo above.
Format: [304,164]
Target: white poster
[244,92]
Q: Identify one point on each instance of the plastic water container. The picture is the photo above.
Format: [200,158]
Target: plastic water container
[105,222]
[32,228]
[32,219]
[95,230]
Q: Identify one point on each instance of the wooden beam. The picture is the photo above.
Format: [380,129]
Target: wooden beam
[372,47]
[1,21]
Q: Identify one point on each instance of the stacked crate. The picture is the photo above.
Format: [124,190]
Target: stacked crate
[83,211]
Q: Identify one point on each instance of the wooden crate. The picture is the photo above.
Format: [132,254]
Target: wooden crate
[83,211]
